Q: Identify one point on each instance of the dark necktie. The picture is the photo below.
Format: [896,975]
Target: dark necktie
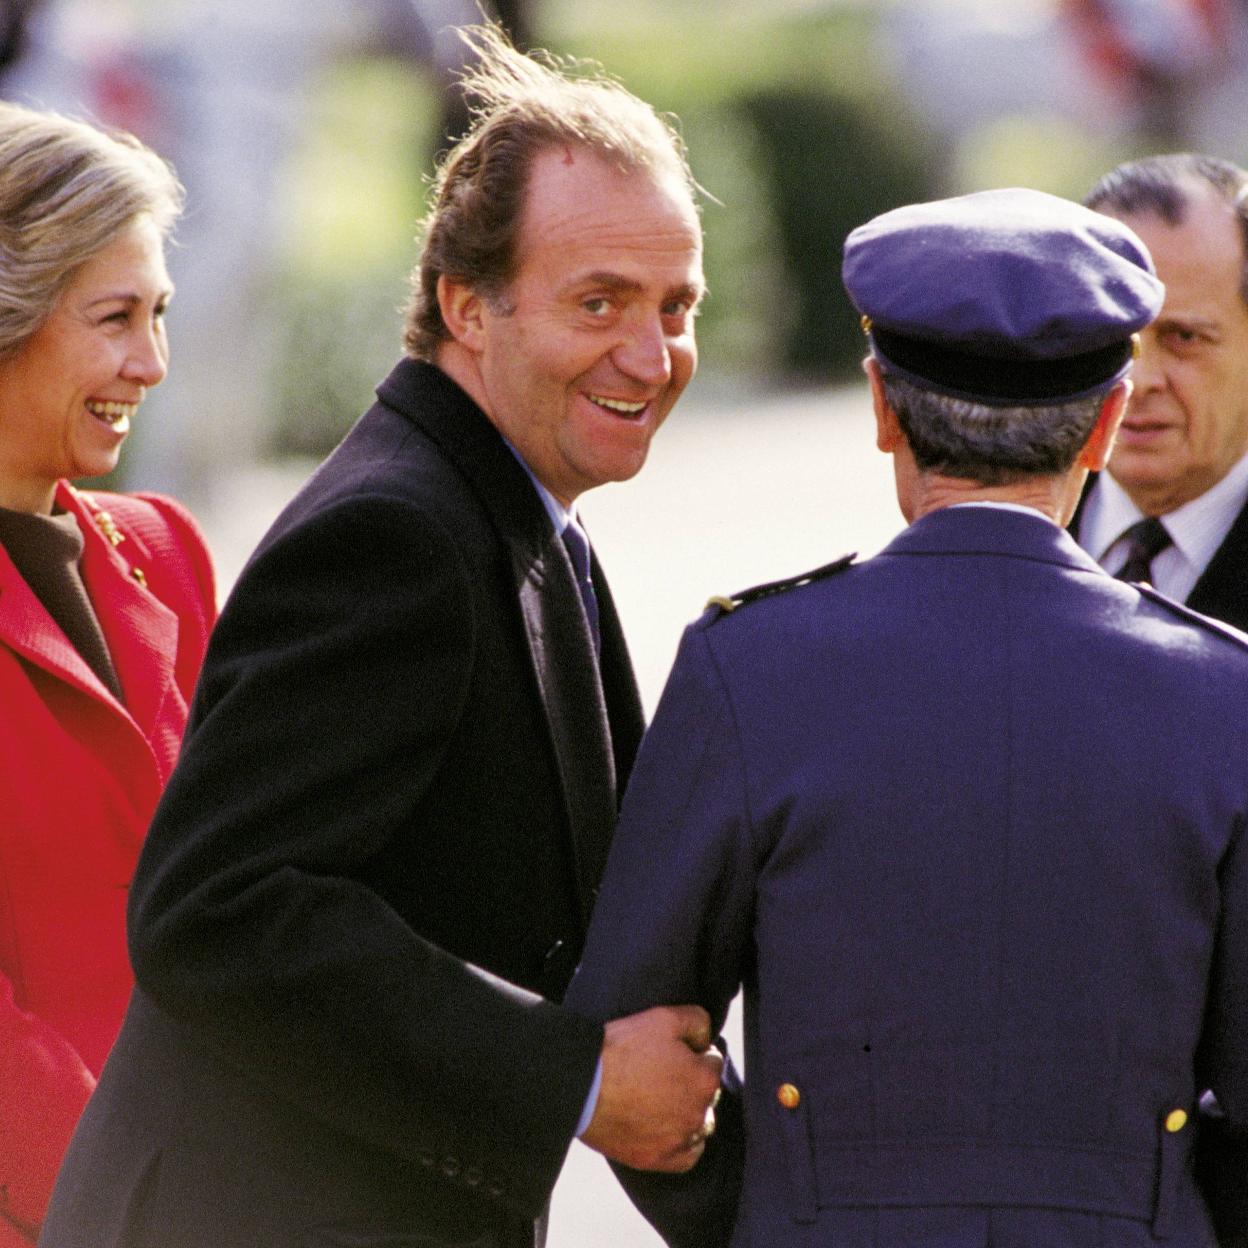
[577,545]
[1146,539]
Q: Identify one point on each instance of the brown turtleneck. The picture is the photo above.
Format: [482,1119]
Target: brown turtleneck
[46,551]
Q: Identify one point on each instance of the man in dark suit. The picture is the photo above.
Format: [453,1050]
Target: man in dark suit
[966,820]
[368,884]
[1173,506]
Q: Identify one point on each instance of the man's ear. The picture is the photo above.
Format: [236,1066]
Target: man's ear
[888,434]
[462,312]
[1095,453]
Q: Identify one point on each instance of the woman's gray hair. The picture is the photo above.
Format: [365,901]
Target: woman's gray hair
[68,190]
[991,445]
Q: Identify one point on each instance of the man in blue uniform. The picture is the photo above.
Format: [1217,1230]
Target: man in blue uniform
[965,820]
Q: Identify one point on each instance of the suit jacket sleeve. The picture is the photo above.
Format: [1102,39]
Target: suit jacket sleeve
[334,682]
[1222,1142]
[673,919]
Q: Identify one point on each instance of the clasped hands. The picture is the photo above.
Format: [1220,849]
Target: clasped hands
[660,1086]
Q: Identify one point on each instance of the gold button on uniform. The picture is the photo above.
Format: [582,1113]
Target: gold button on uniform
[1176,1120]
[788,1096]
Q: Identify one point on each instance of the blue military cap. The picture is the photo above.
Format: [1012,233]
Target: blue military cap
[1003,297]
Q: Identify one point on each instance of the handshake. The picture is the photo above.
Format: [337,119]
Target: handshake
[660,1086]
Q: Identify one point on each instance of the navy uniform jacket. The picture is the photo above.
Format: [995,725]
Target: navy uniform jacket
[967,823]
[398,784]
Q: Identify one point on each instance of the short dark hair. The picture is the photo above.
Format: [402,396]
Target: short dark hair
[526,105]
[991,445]
[1156,185]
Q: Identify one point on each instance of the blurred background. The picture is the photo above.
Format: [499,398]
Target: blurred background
[306,134]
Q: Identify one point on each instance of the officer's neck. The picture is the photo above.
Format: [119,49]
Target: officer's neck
[929,491]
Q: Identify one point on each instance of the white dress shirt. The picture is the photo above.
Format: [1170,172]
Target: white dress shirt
[1197,528]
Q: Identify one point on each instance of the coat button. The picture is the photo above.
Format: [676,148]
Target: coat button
[473,1177]
[450,1167]
[1176,1120]
[788,1095]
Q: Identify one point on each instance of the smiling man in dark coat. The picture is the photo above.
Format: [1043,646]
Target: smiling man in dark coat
[967,819]
[368,884]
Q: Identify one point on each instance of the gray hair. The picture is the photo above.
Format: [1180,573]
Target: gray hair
[991,445]
[68,190]
[526,105]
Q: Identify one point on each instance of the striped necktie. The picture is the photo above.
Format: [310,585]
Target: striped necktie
[1145,539]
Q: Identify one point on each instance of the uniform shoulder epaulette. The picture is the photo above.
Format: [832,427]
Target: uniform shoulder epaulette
[1229,631]
[746,596]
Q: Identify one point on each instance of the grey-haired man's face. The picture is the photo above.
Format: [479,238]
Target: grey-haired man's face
[1187,424]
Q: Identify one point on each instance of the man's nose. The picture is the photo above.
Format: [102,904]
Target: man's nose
[644,354]
[1148,373]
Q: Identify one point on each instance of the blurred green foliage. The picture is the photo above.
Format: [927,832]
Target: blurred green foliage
[1044,150]
[794,129]
[357,191]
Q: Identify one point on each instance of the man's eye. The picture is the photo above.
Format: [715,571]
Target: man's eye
[597,307]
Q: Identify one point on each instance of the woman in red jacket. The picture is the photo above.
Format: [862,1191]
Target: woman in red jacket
[105,605]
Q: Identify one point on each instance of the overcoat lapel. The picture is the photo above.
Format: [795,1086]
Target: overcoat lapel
[567,676]
[556,631]
[618,680]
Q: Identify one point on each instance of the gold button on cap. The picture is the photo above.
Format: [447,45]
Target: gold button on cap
[788,1096]
[1176,1120]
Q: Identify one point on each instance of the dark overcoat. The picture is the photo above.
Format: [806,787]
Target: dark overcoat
[370,876]
[967,823]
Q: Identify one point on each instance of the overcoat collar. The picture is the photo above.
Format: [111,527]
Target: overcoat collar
[141,632]
[992,531]
[559,642]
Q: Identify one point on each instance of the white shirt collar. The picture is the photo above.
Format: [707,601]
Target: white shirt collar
[1198,528]
[1003,506]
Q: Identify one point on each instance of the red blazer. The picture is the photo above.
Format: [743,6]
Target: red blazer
[79,777]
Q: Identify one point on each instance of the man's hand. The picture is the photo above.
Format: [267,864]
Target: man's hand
[660,1082]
